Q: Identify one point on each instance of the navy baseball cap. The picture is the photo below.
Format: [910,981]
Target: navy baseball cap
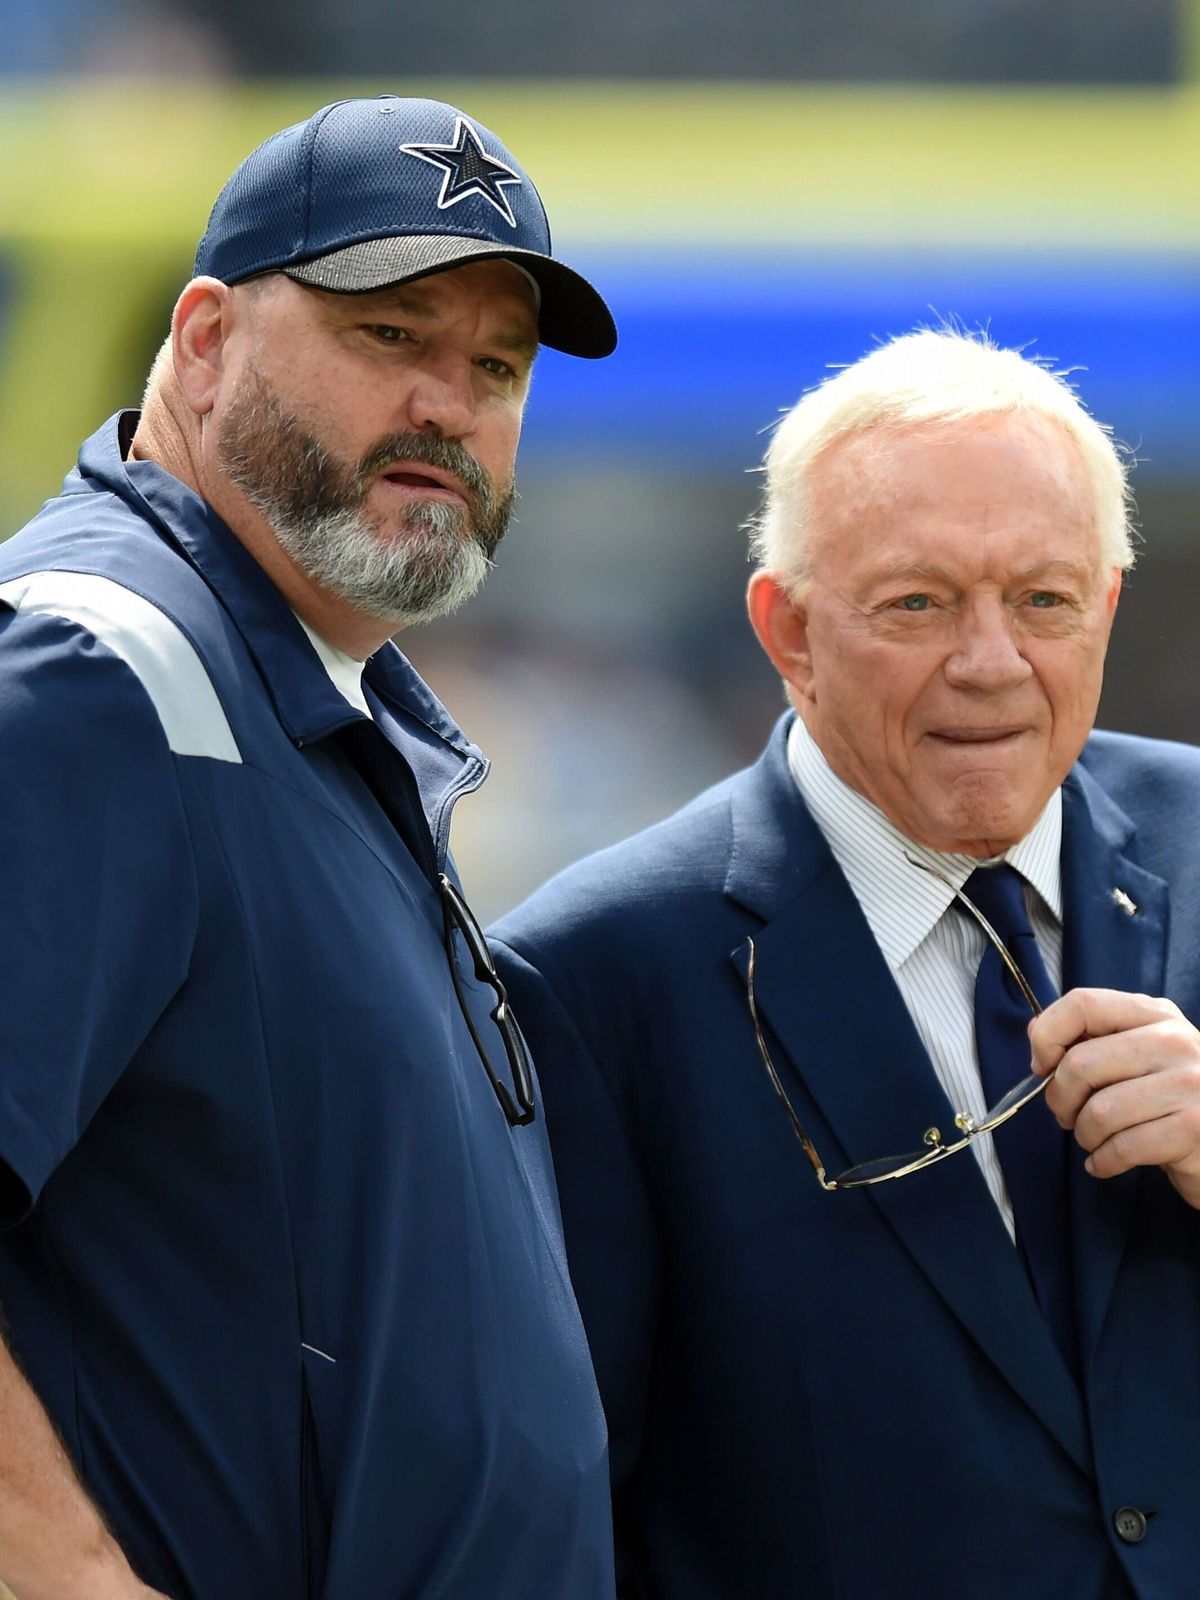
[368,193]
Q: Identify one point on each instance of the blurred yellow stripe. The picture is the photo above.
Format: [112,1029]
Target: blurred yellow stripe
[105,186]
[629,164]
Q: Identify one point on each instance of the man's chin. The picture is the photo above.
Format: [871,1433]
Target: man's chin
[410,599]
[976,831]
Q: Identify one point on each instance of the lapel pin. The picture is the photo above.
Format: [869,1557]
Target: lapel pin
[1121,899]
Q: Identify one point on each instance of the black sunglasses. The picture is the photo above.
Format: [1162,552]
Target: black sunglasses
[456,913]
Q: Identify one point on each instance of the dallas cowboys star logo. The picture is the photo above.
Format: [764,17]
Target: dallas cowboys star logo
[468,170]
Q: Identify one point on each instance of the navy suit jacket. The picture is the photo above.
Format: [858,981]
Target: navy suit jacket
[854,1394]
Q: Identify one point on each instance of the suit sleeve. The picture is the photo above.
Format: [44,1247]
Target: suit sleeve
[99,896]
[608,1223]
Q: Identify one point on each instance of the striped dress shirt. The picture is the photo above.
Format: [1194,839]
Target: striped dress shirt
[932,951]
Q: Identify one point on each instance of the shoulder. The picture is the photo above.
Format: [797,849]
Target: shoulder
[76,631]
[70,638]
[645,888]
[1153,780]
[1154,786]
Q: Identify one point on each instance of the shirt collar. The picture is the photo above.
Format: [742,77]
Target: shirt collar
[307,700]
[901,904]
[345,672]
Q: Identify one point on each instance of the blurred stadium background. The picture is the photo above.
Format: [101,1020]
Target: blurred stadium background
[762,192]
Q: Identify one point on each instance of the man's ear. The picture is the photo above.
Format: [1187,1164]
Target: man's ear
[200,326]
[1116,581]
[781,624]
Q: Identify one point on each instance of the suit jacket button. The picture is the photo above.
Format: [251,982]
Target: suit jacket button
[1130,1524]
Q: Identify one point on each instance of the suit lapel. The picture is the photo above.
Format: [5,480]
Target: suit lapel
[841,1036]
[1106,945]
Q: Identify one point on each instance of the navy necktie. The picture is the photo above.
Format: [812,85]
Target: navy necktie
[1032,1148]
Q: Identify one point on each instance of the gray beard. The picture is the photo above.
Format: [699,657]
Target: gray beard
[426,572]
[425,567]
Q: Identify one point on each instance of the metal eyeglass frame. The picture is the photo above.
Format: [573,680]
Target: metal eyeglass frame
[886,1168]
[456,913]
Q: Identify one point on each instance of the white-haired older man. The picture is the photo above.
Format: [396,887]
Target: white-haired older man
[872,1314]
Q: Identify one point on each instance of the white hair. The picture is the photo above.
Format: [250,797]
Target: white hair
[943,375]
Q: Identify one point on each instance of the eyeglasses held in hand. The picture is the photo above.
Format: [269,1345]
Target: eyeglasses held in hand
[934,1148]
[456,913]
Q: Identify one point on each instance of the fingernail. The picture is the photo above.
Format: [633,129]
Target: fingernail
[1088,1167]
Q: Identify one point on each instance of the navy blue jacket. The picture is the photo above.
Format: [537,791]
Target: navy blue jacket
[854,1395]
[290,1286]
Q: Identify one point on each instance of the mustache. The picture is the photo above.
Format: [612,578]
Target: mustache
[427,449]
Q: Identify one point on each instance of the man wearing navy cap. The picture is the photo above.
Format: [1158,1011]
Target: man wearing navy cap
[285,1303]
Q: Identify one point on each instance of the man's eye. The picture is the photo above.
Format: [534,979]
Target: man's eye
[1045,600]
[387,332]
[498,368]
[916,602]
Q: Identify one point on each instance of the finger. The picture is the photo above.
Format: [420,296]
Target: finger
[1123,1107]
[1091,1013]
[1170,1045]
[1165,1142]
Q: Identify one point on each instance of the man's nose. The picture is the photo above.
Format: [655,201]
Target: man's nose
[986,653]
[442,398]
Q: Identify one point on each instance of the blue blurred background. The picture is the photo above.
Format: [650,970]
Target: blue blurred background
[761,194]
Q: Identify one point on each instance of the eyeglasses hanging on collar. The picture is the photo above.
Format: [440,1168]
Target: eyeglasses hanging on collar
[933,1146]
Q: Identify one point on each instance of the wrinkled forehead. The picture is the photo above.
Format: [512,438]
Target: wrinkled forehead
[1026,465]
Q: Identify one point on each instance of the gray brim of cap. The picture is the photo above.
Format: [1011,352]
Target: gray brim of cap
[572,317]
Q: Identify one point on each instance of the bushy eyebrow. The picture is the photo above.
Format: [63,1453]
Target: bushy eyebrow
[515,343]
[410,302]
[911,569]
[1054,566]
